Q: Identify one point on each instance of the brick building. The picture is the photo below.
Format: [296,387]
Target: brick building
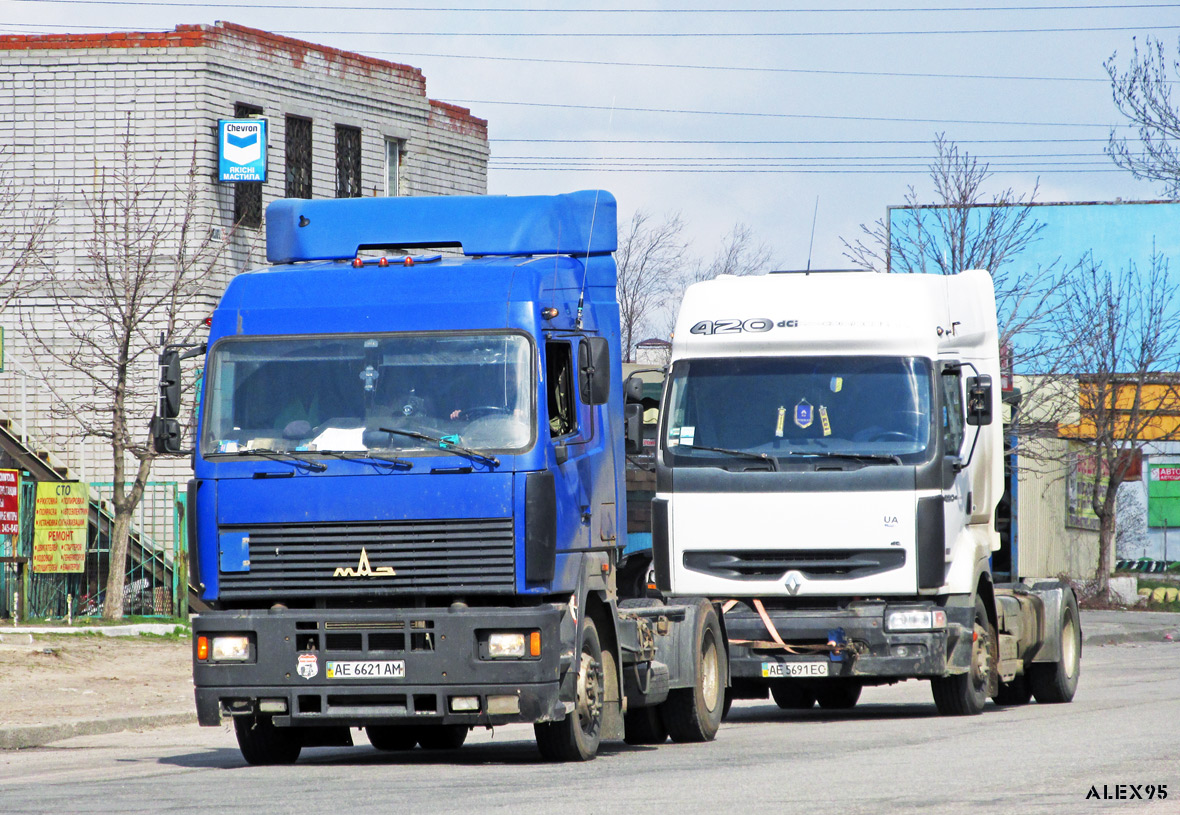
[73,106]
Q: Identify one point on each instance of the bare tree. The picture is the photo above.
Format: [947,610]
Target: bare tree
[740,253]
[1143,94]
[650,258]
[967,229]
[25,231]
[145,261]
[1124,345]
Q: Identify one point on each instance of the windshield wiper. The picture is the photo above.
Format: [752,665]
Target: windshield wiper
[740,453]
[893,459]
[286,458]
[444,444]
[375,461]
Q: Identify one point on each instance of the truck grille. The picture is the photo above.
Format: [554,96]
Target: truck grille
[814,564]
[325,560]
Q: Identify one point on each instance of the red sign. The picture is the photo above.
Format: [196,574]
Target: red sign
[1165,474]
[9,502]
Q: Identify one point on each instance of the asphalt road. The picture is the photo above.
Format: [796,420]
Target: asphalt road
[892,754]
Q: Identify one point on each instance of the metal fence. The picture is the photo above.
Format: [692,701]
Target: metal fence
[156,580]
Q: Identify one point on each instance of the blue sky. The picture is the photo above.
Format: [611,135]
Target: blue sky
[744,111]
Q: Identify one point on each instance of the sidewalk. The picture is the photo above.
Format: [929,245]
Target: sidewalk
[1100,628]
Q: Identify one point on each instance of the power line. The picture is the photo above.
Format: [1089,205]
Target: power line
[677,11]
[767,115]
[774,170]
[793,141]
[715,157]
[655,34]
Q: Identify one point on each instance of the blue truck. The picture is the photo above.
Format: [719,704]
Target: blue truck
[408,504]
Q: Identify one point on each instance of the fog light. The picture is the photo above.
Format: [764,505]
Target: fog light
[464,704]
[503,705]
[272,706]
[915,619]
[231,649]
[506,645]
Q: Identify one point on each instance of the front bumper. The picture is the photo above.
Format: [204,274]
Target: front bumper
[429,656]
[871,652]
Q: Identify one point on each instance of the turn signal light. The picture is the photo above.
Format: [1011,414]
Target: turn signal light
[535,644]
[202,648]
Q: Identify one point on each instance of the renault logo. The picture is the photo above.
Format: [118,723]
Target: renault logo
[363,569]
[794,582]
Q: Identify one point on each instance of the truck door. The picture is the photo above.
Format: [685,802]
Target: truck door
[957,490]
[570,431]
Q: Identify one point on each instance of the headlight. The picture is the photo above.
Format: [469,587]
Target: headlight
[506,645]
[915,619]
[233,648]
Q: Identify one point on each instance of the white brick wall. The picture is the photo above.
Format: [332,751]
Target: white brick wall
[67,105]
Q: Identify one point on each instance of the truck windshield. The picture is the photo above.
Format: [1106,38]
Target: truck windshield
[332,393]
[876,409]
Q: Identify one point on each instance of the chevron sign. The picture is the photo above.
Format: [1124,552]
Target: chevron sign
[241,148]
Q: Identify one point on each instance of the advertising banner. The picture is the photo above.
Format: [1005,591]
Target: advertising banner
[1163,495]
[59,524]
[9,502]
[241,150]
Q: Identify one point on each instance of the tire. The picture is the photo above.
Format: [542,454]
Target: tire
[262,743]
[644,726]
[442,736]
[1056,682]
[790,695]
[694,714]
[728,704]
[389,738]
[838,695]
[965,694]
[576,737]
[1016,692]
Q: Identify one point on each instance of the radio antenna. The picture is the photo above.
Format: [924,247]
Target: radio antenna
[593,216]
[812,242]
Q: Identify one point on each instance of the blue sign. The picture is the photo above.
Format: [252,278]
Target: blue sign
[241,150]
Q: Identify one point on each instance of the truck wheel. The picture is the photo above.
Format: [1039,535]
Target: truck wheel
[965,694]
[442,736]
[791,695]
[838,695]
[389,738]
[1056,682]
[576,737]
[694,714]
[728,704]
[644,726]
[262,743]
[1016,692]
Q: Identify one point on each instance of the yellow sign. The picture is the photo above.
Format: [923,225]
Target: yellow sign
[59,523]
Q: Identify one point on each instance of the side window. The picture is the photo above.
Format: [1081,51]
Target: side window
[559,378]
[952,412]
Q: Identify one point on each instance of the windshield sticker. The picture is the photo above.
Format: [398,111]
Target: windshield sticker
[778,426]
[837,384]
[687,435]
[823,420]
[804,415]
[227,447]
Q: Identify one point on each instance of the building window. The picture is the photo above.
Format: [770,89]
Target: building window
[348,162]
[247,194]
[393,159]
[298,157]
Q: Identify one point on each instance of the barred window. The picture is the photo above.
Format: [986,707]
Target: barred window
[348,162]
[298,157]
[247,194]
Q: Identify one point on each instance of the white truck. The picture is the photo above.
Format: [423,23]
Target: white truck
[830,465]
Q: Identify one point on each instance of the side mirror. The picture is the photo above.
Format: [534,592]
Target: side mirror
[166,437]
[169,383]
[633,427]
[979,400]
[594,370]
[633,390]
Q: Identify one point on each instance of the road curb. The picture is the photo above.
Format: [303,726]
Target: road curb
[38,735]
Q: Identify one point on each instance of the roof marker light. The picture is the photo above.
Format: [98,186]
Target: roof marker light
[409,261]
[357,263]
[549,313]
[383,262]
